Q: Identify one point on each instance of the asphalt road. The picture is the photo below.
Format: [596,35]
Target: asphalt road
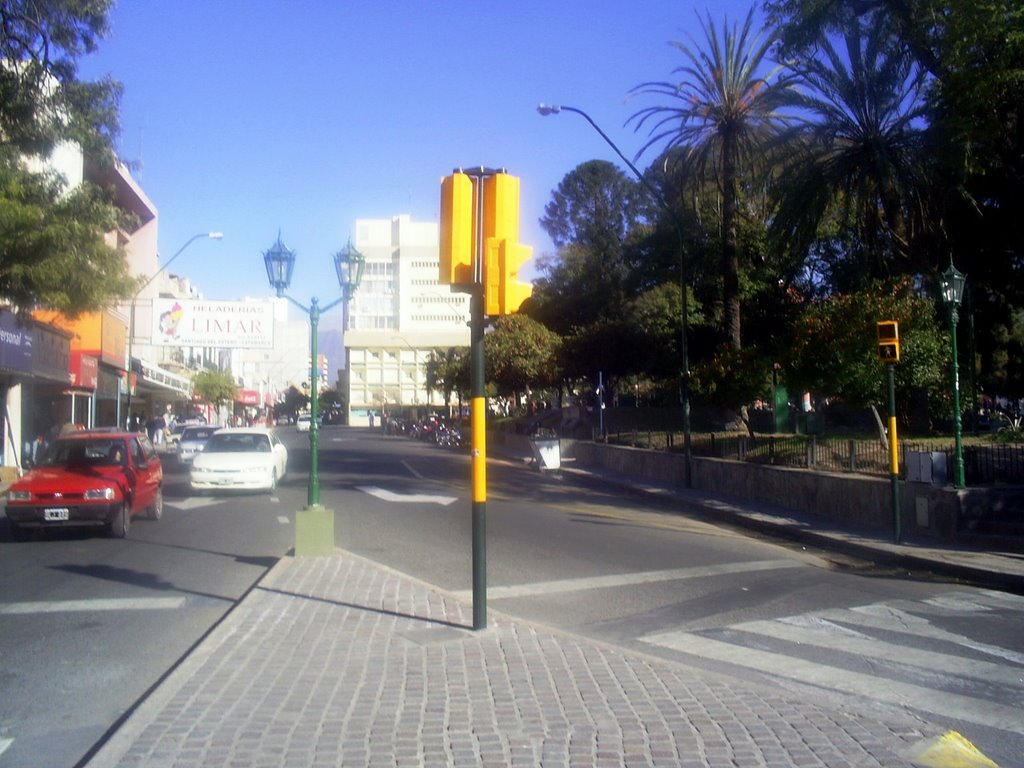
[588,560]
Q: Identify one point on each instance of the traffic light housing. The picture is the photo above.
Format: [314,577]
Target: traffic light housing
[457,235]
[504,256]
[888,341]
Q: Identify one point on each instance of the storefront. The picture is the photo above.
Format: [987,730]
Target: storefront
[15,369]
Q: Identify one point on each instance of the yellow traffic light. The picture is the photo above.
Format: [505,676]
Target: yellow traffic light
[501,207]
[888,341]
[513,290]
[504,292]
[458,214]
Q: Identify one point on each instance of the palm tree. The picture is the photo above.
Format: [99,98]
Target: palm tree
[861,163]
[723,115]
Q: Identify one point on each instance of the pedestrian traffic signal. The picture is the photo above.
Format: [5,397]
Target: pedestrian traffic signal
[504,292]
[504,256]
[888,341]
[458,214]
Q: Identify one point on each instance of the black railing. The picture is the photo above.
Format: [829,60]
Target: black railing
[983,464]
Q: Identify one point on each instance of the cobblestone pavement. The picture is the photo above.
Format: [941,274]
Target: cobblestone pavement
[339,661]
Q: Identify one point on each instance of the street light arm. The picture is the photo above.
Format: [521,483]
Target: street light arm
[210,235]
[554,109]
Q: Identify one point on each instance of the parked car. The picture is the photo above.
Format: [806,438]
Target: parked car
[192,441]
[303,422]
[240,458]
[94,478]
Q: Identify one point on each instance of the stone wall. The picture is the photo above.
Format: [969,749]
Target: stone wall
[939,512]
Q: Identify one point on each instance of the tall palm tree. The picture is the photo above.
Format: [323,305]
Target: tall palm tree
[862,162]
[723,114]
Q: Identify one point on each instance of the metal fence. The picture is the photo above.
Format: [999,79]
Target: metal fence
[983,464]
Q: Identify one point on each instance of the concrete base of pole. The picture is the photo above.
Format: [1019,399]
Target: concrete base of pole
[314,532]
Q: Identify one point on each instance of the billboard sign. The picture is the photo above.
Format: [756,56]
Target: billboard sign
[221,324]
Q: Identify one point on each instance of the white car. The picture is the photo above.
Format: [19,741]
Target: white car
[302,423]
[243,458]
[192,440]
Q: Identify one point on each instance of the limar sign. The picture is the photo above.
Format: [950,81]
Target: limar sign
[221,324]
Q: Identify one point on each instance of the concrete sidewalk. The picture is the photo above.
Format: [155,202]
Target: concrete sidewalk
[336,661]
[333,661]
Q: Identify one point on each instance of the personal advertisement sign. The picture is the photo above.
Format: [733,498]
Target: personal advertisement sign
[221,324]
[15,344]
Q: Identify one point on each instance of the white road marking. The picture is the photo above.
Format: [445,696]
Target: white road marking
[412,498]
[283,520]
[821,633]
[4,744]
[100,604]
[627,579]
[942,703]
[412,471]
[192,502]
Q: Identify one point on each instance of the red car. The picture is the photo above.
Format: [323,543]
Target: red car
[99,479]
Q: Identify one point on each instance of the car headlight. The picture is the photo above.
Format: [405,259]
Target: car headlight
[99,494]
[20,495]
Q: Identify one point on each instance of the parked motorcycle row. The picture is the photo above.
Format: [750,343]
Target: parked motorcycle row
[447,433]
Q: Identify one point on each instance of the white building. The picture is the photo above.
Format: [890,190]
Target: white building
[398,316]
[270,372]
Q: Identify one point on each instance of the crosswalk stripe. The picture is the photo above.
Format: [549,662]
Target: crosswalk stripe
[822,633]
[65,606]
[890,618]
[628,579]
[944,704]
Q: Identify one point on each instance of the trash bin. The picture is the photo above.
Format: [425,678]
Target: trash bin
[547,453]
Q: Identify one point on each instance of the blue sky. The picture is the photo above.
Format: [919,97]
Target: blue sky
[250,116]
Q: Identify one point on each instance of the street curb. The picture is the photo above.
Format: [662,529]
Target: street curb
[144,711]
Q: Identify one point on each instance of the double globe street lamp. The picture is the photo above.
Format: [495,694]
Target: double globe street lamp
[314,525]
[952,284]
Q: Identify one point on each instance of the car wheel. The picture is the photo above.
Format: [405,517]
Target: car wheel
[122,522]
[156,511]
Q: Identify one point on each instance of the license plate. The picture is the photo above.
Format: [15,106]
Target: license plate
[55,513]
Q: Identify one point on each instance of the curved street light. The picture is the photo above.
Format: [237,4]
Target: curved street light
[314,535]
[135,298]
[554,109]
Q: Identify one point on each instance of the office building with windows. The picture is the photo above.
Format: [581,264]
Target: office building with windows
[399,315]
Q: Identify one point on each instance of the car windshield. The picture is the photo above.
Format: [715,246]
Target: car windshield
[198,433]
[237,442]
[85,453]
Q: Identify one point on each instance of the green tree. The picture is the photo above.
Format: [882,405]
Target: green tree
[446,371]
[53,251]
[833,348]
[590,218]
[860,163]
[216,387]
[520,354]
[724,112]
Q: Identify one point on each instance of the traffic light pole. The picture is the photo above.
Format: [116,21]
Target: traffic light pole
[894,452]
[478,405]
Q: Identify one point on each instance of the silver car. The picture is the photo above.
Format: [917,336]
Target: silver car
[192,441]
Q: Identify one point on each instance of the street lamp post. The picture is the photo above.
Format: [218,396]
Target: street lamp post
[554,109]
[952,285]
[131,315]
[314,525]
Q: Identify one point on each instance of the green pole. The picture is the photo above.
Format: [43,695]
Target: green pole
[958,478]
[894,455]
[313,491]
[478,397]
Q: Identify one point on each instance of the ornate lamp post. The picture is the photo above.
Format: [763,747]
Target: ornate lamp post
[314,525]
[131,315]
[554,109]
[952,285]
